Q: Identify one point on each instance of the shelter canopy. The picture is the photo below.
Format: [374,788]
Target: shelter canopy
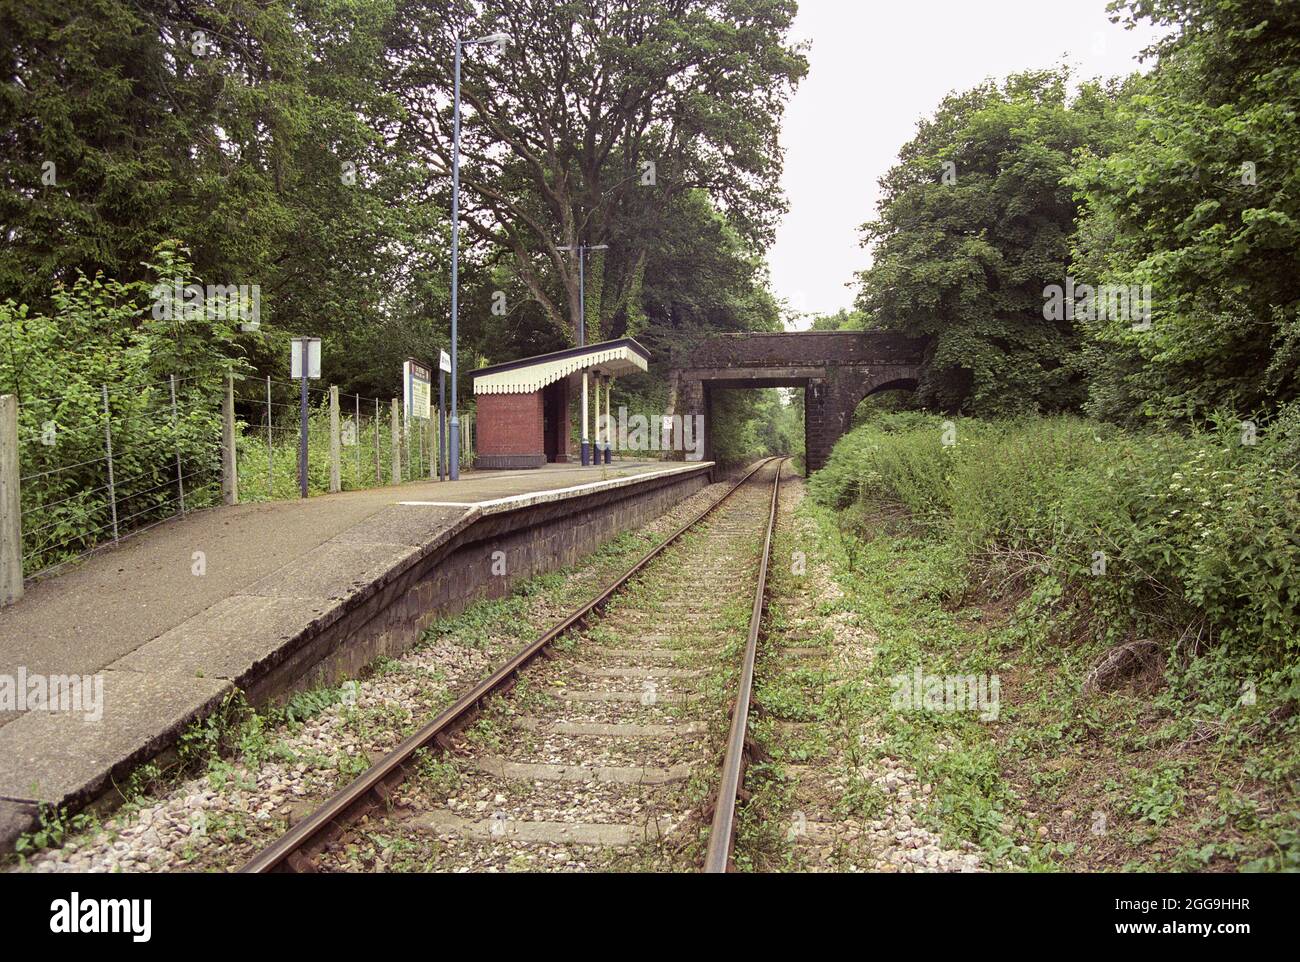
[613,358]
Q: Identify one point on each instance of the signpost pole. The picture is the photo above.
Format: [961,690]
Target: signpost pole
[609,424]
[301,357]
[444,368]
[302,422]
[582,342]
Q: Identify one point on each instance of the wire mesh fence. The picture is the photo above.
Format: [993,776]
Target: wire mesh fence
[97,465]
[95,469]
[269,437]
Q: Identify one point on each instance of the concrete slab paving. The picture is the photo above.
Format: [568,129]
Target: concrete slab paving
[57,757]
[335,571]
[95,612]
[229,640]
[402,524]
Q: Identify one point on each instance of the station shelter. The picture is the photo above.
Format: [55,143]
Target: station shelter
[525,407]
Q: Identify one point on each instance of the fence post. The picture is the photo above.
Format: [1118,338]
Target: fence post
[336,469]
[432,428]
[397,445]
[11,516]
[270,448]
[357,426]
[229,469]
[176,433]
[108,446]
[378,480]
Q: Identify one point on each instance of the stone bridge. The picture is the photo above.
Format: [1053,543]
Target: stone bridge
[836,369]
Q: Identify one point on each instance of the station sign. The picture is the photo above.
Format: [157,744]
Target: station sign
[313,358]
[417,380]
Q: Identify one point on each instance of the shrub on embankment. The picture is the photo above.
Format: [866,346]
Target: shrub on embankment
[1191,541]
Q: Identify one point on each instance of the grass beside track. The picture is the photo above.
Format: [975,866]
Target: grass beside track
[1144,720]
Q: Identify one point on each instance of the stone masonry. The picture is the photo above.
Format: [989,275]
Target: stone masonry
[836,369]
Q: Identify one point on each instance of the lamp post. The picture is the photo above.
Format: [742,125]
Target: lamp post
[582,250]
[499,39]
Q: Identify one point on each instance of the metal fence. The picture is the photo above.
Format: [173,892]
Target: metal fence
[86,470]
[351,439]
[92,470]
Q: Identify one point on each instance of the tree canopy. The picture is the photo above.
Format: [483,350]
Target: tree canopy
[594,121]
[1178,187]
[303,147]
[975,221]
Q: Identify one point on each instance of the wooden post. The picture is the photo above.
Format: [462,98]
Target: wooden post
[270,446]
[609,424]
[397,444]
[176,436]
[11,512]
[431,427]
[229,469]
[108,461]
[336,469]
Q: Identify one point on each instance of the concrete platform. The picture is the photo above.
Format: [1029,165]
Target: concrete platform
[290,593]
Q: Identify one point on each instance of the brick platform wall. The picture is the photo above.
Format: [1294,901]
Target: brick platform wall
[534,540]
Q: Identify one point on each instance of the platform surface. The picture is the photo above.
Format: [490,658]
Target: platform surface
[110,604]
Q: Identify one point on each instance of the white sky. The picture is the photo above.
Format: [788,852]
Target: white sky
[876,68]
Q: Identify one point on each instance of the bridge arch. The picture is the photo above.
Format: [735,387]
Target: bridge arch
[836,370]
[898,384]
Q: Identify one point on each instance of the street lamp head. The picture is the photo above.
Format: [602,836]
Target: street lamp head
[500,39]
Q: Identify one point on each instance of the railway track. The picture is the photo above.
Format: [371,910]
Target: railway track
[601,736]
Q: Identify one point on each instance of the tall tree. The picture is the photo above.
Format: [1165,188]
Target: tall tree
[975,222]
[1203,204]
[594,120]
[252,133]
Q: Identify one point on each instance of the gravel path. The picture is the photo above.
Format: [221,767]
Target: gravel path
[813,651]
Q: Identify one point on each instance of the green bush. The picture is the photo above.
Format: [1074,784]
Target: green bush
[1171,537]
[101,333]
[357,467]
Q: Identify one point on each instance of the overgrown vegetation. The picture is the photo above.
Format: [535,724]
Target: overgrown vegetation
[99,333]
[1137,595]
[1163,206]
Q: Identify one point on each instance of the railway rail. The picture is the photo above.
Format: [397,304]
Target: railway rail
[729,517]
